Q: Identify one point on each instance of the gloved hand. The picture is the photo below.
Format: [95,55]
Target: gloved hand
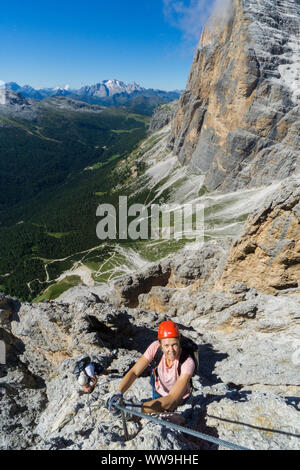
[112,400]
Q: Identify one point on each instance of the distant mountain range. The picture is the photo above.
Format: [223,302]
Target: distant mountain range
[104,89]
[105,93]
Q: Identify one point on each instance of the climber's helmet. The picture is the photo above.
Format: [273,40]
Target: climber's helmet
[83,379]
[168,329]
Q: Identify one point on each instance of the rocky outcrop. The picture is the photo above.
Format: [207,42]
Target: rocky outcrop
[128,288]
[41,403]
[162,116]
[14,104]
[238,120]
[65,103]
[257,417]
[259,338]
[267,255]
[51,333]
[183,270]
[42,406]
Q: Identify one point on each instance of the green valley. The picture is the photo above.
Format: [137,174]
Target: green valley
[48,202]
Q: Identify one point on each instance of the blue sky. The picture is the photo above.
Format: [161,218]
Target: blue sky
[48,44]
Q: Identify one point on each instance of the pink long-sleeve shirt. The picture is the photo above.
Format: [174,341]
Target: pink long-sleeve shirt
[168,375]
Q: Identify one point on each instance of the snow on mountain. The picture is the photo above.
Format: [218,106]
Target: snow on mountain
[100,90]
[109,88]
[275,30]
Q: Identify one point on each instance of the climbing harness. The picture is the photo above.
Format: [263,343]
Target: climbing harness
[182,429]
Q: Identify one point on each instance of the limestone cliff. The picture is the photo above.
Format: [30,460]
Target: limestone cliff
[267,255]
[238,120]
[237,395]
[162,116]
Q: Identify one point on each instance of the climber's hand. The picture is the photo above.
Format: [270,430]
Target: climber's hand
[114,399]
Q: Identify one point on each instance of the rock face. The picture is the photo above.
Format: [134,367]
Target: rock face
[41,403]
[14,104]
[254,416]
[267,255]
[155,285]
[162,116]
[238,120]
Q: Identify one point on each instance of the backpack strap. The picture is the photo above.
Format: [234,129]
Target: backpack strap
[185,354]
[98,368]
[156,360]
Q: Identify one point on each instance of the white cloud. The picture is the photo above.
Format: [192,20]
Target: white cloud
[222,11]
[189,16]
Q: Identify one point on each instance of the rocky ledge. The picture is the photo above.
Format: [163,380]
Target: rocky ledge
[247,390]
[162,116]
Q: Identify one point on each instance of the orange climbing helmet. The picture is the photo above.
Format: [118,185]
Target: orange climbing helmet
[168,329]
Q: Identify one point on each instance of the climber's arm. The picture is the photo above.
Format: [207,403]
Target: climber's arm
[172,400]
[133,374]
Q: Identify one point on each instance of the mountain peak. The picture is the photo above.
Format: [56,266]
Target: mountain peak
[110,92]
[235,119]
[12,103]
[12,86]
[9,97]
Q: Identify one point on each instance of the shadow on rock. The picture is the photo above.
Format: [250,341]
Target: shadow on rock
[58,443]
[293,401]
[15,348]
[122,333]
[208,357]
